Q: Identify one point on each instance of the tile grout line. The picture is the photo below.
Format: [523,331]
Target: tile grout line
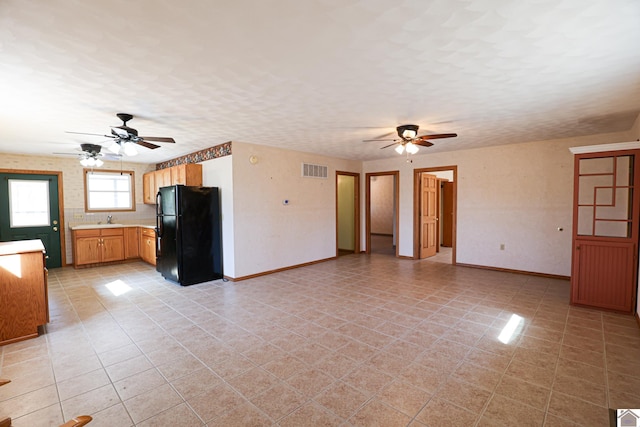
[555,370]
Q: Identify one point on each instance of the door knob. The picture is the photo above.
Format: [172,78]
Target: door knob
[55,228]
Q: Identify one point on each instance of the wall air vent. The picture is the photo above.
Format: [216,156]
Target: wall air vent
[314,171]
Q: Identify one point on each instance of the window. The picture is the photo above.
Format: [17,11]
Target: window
[28,203]
[108,190]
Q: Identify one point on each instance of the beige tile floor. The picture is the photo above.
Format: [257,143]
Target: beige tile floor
[361,340]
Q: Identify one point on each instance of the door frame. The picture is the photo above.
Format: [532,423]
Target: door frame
[63,251]
[445,183]
[356,213]
[417,194]
[396,201]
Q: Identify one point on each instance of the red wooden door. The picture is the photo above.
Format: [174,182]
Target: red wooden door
[605,230]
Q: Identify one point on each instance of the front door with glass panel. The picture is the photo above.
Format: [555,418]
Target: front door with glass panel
[605,232]
[29,210]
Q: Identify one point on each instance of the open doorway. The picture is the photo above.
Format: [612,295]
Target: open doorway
[347,213]
[382,212]
[435,213]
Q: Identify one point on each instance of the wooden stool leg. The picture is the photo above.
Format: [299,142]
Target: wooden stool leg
[5,422]
[78,421]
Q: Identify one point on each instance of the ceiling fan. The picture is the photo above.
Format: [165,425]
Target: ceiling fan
[91,156]
[124,138]
[409,139]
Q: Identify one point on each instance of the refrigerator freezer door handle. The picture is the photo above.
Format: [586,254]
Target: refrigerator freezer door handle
[159,215]
[159,226]
[158,204]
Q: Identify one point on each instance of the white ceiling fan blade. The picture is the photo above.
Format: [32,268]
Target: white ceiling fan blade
[121,133]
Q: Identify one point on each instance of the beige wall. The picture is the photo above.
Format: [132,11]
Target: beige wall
[634,134]
[219,173]
[517,195]
[269,235]
[71,173]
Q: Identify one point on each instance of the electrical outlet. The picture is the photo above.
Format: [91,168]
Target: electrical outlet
[502,246]
[78,216]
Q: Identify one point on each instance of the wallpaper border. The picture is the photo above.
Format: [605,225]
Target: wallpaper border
[199,156]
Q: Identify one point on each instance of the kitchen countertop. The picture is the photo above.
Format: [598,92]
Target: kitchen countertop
[21,246]
[93,226]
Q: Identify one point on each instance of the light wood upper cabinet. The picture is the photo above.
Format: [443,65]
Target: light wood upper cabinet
[185,174]
[149,187]
[165,177]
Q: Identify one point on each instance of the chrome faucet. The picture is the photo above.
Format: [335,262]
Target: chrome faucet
[109,218]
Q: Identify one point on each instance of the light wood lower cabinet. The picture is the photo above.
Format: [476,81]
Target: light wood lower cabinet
[97,245]
[131,243]
[148,245]
[24,302]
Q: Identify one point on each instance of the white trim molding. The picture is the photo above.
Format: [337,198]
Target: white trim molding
[633,145]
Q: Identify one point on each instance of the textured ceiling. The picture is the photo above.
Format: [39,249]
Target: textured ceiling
[315,75]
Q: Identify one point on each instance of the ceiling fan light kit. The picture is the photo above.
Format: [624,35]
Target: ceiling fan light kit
[411,148]
[407,132]
[409,139]
[129,149]
[90,156]
[126,148]
[125,138]
[89,161]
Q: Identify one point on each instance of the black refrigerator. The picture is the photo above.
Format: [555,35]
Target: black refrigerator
[188,233]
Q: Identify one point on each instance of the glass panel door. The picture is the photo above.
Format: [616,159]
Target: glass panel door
[28,203]
[605,196]
[29,209]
